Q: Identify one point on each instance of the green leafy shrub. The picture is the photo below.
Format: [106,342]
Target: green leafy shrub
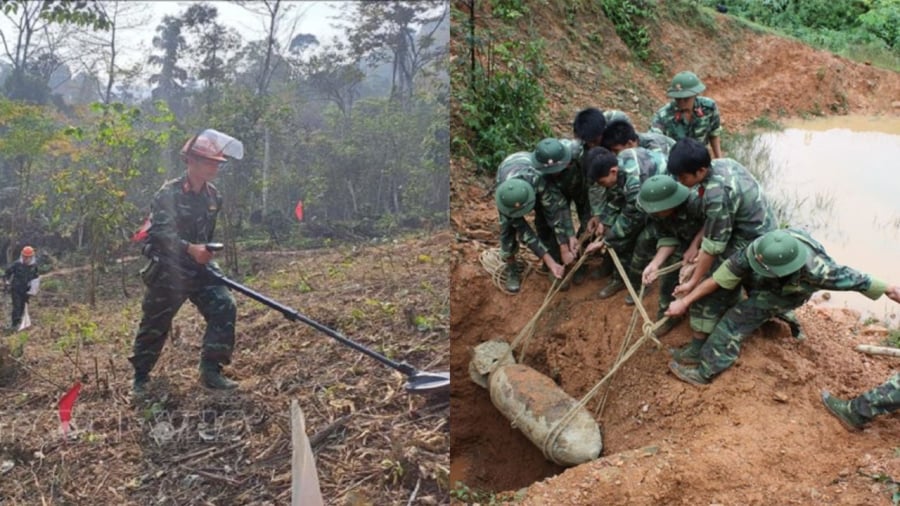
[627,17]
[501,102]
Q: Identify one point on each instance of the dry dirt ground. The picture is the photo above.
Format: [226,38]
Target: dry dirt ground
[374,443]
[759,434]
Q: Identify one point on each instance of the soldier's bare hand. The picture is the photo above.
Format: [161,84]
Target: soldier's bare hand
[593,225]
[893,293]
[558,270]
[199,253]
[594,246]
[567,255]
[676,308]
[684,288]
[573,245]
[649,275]
[691,254]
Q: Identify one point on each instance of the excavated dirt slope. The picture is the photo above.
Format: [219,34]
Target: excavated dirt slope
[759,434]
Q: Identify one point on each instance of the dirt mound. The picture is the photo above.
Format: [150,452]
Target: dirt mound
[374,443]
[759,433]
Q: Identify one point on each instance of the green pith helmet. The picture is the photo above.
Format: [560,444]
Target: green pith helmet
[685,84]
[551,156]
[515,198]
[660,193]
[777,254]
[615,115]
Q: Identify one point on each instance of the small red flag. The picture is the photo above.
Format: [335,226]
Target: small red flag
[141,234]
[298,211]
[65,406]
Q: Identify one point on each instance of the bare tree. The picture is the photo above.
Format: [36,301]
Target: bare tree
[33,21]
[98,51]
[402,33]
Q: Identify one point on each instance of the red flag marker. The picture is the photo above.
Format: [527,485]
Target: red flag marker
[298,211]
[65,407]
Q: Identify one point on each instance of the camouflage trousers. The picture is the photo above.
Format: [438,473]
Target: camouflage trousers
[723,346]
[635,253]
[880,400]
[706,312]
[159,307]
[509,245]
[668,282]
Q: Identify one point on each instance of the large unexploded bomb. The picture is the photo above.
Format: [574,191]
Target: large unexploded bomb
[536,405]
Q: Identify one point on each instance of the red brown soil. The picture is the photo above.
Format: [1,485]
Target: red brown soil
[373,442]
[759,433]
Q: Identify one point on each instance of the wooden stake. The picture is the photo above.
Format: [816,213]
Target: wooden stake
[878,350]
[304,479]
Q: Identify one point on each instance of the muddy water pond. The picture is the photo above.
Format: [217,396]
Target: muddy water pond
[838,178]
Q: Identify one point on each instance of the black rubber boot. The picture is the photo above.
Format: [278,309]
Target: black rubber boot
[211,377]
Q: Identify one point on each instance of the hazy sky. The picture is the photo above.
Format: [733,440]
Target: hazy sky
[315,18]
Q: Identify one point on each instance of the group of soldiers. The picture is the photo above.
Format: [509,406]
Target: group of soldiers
[664,196]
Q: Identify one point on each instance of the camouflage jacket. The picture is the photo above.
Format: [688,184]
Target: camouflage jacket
[18,275]
[679,228]
[819,272]
[704,124]
[735,207]
[550,206]
[620,211]
[179,216]
[573,185]
[656,142]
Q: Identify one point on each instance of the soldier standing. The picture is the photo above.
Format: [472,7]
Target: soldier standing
[18,277]
[689,115]
[780,271]
[182,220]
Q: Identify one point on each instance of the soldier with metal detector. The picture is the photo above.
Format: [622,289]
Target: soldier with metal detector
[182,220]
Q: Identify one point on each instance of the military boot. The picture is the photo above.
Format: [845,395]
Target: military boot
[139,385]
[513,279]
[580,275]
[842,410]
[564,287]
[605,269]
[688,354]
[666,327]
[688,374]
[211,377]
[614,286]
[791,319]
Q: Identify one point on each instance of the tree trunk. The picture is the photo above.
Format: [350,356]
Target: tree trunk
[353,198]
[265,171]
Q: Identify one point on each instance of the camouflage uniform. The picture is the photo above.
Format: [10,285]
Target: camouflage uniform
[677,230]
[179,217]
[880,400]
[573,186]
[19,275]
[552,218]
[656,142]
[736,212]
[626,230]
[705,122]
[769,297]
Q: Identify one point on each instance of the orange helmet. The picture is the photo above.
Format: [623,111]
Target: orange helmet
[204,147]
[27,251]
